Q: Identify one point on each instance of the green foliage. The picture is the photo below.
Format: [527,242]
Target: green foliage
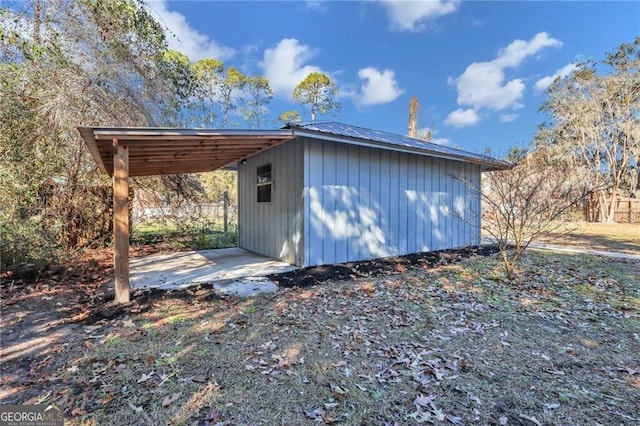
[261,95]
[26,247]
[233,81]
[177,68]
[208,74]
[291,116]
[318,93]
[198,234]
[517,154]
[81,63]
[215,184]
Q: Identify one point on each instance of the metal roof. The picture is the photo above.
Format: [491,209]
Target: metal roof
[359,135]
[158,151]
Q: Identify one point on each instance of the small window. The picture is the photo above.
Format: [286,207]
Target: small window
[264,184]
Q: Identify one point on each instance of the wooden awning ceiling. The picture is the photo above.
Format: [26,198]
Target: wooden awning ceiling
[161,151]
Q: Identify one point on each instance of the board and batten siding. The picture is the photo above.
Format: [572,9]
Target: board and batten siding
[364,203]
[274,229]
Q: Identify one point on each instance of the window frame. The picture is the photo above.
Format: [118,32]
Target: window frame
[264,180]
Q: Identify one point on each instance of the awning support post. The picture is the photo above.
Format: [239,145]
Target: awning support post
[121,221]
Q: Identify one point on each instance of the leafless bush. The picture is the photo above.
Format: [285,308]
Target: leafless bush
[526,202]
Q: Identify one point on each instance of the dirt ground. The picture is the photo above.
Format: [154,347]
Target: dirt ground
[431,338]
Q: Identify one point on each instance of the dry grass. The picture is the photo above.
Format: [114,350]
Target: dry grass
[451,345]
[622,237]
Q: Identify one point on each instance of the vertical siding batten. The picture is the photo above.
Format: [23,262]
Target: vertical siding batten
[267,228]
[412,204]
[353,176]
[334,202]
[421,213]
[307,208]
[344,203]
[362,209]
[403,207]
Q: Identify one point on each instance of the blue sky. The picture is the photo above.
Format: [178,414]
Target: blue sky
[478,68]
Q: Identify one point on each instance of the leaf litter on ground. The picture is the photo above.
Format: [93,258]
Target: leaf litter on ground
[411,343]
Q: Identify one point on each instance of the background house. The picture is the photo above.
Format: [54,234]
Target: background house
[338,193]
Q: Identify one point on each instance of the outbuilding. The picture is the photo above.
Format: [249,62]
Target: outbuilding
[312,193]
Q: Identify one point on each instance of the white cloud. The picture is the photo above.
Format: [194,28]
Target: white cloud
[186,39]
[284,65]
[378,87]
[483,85]
[414,15]
[316,6]
[508,118]
[519,50]
[542,84]
[427,131]
[462,118]
[443,141]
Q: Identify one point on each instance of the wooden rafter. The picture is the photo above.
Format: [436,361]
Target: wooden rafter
[156,151]
[126,152]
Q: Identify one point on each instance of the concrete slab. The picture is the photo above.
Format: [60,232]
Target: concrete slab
[231,271]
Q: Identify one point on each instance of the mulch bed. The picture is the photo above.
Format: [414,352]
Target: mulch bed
[372,268]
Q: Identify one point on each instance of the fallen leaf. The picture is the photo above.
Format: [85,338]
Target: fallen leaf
[437,374]
[150,360]
[328,420]
[107,399]
[314,414]
[145,377]
[268,346]
[78,412]
[164,378]
[120,368]
[440,416]
[424,401]
[329,405]
[338,392]
[214,416]
[168,400]
[362,388]
[284,363]
[134,335]
[629,371]
[421,416]
[474,398]
[135,409]
[128,323]
[530,418]
[201,378]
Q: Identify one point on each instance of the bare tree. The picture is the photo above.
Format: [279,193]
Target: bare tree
[527,202]
[413,117]
[596,123]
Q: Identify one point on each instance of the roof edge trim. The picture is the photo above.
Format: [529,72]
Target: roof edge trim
[487,163]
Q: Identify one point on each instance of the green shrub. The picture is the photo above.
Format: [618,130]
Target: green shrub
[26,247]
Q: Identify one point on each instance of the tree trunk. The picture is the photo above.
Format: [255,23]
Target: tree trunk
[611,213]
[603,207]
